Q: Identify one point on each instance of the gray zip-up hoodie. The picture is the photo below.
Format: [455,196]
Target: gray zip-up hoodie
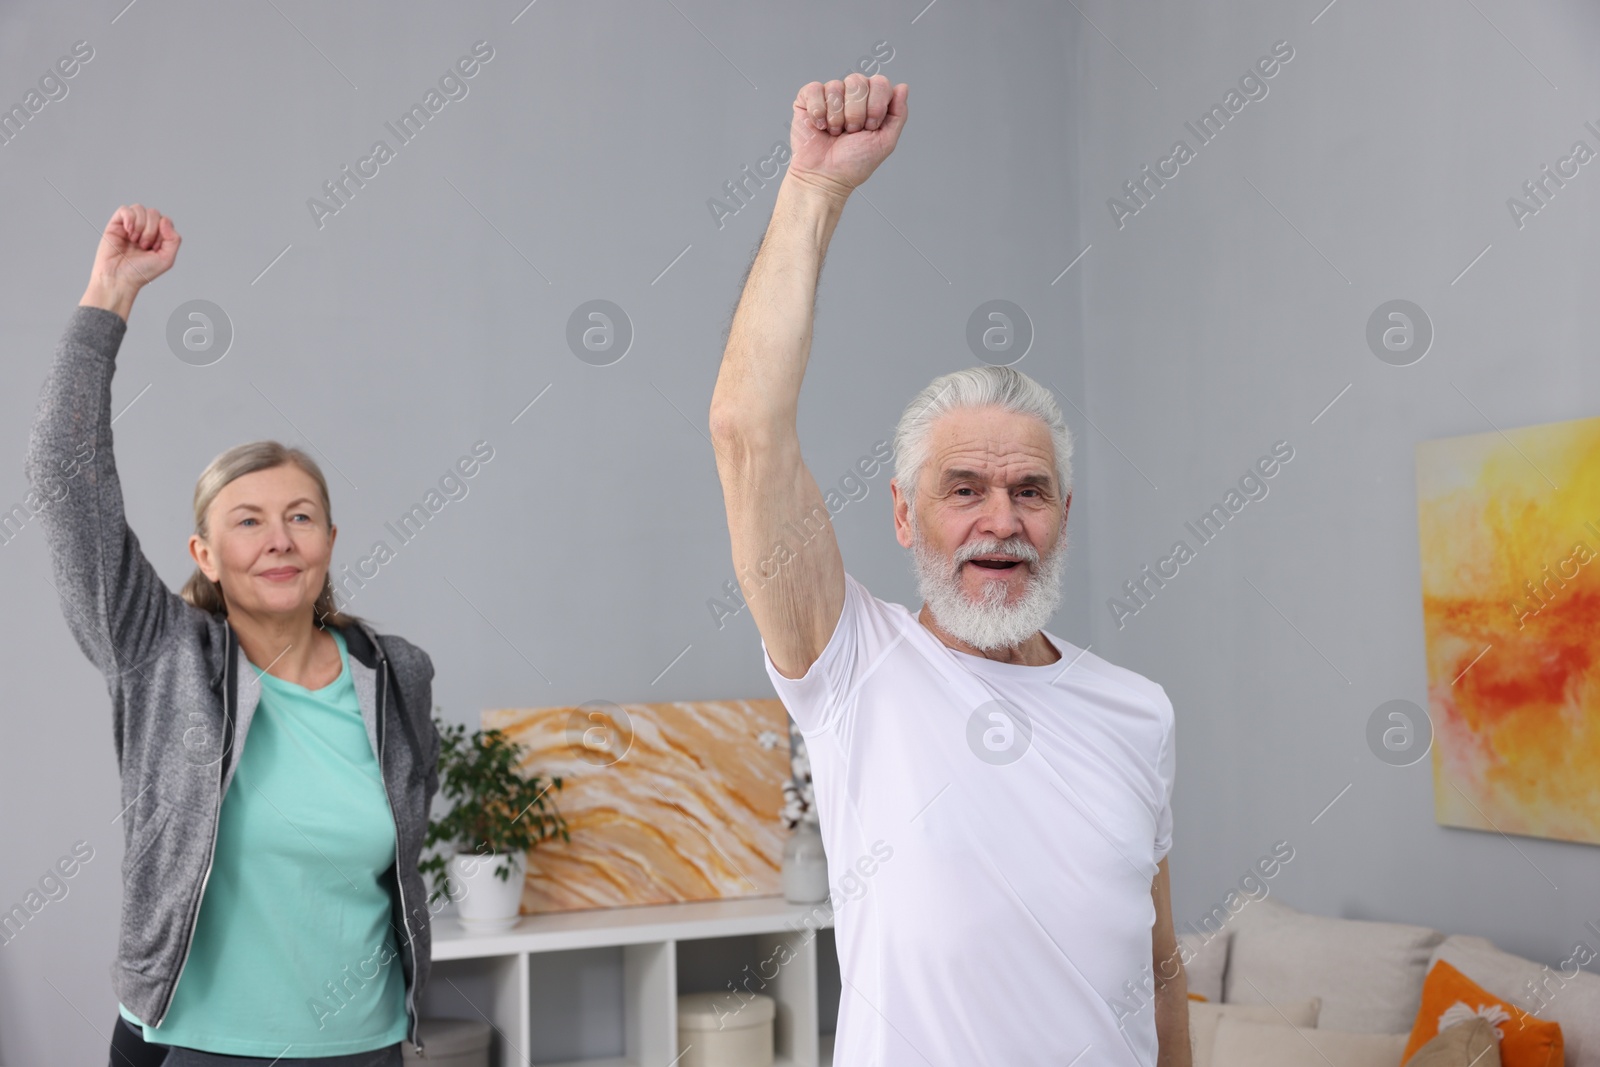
[182,695]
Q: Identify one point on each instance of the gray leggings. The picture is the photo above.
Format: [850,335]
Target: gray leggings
[188,1057]
[129,1049]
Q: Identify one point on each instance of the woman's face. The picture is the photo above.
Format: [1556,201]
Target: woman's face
[268,542]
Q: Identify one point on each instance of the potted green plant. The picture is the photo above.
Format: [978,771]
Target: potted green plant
[496,815]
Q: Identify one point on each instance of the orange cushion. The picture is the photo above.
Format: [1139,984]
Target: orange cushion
[1525,1040]
[1196,996]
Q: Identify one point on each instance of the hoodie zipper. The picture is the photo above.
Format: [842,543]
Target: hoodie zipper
[405,916]
[216,822]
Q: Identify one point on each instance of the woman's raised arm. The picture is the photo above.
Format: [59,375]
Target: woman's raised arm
[115,604]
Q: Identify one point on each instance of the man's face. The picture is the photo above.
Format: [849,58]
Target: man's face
[989,529]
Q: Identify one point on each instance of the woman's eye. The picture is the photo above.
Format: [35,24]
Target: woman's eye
[244,521]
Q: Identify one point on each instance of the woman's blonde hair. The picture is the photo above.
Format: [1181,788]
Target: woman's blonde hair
[236,462]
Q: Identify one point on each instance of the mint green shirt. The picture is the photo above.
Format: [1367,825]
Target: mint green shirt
[293,953]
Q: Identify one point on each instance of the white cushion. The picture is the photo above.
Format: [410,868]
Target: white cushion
[1204,1018]
[1368,974]
[1242,1043]
[1572,1002]
[1207,961]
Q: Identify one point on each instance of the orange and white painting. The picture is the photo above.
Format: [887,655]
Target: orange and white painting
[663,802]
[1509,528]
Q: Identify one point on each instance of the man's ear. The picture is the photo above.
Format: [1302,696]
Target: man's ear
[902,517]
[1066,508]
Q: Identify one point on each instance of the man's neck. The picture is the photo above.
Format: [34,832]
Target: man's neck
[1036,651]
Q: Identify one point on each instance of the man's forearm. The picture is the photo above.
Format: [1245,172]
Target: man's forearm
[769,340]
[1172,1021]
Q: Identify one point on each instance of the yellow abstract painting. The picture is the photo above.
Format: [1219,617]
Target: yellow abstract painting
[664,802]
[1509,529]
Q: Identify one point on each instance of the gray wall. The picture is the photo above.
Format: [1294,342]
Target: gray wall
[428,312]
[1227,314]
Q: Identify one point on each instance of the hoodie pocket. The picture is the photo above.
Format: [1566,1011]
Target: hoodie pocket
[146,830]
[160,876]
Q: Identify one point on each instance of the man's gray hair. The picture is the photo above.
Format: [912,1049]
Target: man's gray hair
[983,386]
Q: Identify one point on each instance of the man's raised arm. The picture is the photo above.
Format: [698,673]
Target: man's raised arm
[795,596]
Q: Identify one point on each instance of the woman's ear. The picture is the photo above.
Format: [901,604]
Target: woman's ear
[202,556]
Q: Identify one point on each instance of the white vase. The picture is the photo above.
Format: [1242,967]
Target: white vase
[485,903]
[805,865]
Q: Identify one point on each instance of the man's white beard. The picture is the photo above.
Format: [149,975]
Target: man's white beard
[989,623]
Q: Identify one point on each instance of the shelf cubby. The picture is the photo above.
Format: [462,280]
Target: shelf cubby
[600,988]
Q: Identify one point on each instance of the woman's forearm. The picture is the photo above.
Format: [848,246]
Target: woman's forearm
[110,296]
[114,602]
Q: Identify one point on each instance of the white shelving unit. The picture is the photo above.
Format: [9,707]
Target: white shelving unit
[575,981]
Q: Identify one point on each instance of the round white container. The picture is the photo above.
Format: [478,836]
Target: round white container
[725,1030]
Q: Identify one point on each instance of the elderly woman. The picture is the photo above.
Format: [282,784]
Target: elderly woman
[277,755]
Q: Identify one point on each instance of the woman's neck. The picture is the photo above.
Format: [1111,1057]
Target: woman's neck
[292,648]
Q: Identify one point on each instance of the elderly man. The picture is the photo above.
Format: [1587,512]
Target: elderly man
[1009,794]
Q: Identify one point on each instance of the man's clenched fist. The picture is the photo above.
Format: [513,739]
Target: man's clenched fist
[843,129]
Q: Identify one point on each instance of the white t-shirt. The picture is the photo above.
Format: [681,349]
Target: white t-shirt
[992,831]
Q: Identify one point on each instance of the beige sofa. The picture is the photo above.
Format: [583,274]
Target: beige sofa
[1368,978]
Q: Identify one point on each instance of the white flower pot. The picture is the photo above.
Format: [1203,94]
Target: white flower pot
[484,903]
[805,865]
